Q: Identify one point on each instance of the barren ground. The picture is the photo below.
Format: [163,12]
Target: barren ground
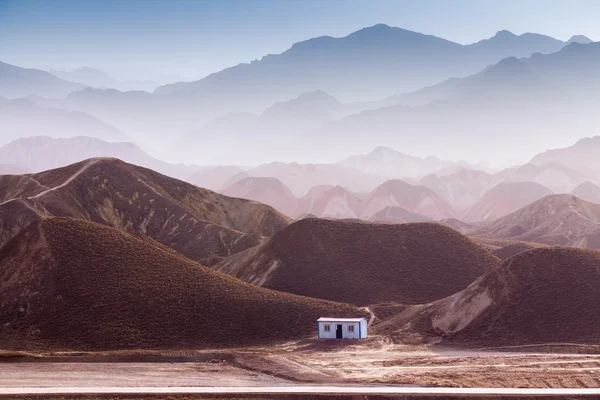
[373,361]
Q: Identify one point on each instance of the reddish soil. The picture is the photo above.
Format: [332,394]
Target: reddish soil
[364,263]
[196,222]
[74,284]
[543,296]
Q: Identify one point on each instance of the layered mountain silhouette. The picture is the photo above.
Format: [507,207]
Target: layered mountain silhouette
[588,191]
[21,82]
[96,78]
[505,198]
[369,64]
[370,61]
[40,153]
[386,161]
[412,198]
[543,97]
[557,177]
[217,178]
[300,178]
[269,191]
[462,189]
[408,263]
[583,155]
[329,202]
[23,118]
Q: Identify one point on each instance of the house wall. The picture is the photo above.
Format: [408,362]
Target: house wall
[364,328]
[345,334]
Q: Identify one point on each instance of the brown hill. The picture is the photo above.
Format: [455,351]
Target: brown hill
[196,222]
[537,297]
[413,198]
[588,191]
[329,202]
[506,198]
[70,283]
[513,249]
[553,220]
[505,248]
[363,263]
[266,190]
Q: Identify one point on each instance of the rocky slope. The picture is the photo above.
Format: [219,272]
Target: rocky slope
[554,220]
[196,222]
[537,297]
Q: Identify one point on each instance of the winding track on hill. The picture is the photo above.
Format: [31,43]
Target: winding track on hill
[71,179]
[308,390]
[48,190]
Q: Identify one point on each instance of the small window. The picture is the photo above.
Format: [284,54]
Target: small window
[327,328]
[350,328]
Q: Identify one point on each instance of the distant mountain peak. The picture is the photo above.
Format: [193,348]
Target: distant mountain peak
[510,62]
[384,149]
[317,95]
[509,67]
[504,34]
[593,141]
[579,39]
[378,27]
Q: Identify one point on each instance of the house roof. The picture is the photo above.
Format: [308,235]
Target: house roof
[333,319]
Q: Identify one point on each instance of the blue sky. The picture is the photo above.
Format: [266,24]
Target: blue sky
[141,38]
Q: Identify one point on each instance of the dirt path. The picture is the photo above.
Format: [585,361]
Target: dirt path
[367,309]
[48,190]
[65,183]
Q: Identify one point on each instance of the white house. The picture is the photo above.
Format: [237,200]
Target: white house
[342,328]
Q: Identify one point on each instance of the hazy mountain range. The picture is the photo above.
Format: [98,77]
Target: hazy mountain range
[365,65]
[412,189]
[22,118]
[329,91]
[93,77]
[20,82]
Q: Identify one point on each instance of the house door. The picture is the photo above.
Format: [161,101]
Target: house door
[338,331]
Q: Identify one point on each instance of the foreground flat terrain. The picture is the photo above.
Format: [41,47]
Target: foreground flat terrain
[373,362]
[308,390]
[127,374]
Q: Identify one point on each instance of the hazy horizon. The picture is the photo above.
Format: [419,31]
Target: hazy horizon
[195,39]
[355,82]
